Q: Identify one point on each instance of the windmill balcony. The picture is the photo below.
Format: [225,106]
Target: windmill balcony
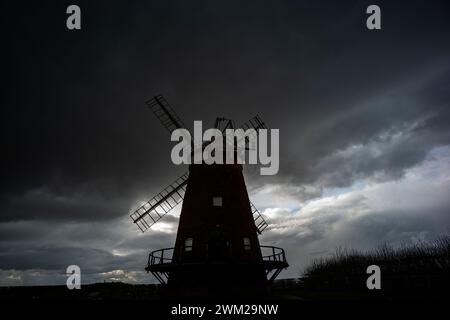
[160,262]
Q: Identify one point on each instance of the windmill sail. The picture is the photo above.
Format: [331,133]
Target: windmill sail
[164,112]
[254,123]
[157,207]
[260,222]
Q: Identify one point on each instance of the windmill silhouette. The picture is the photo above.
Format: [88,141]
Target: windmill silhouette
[217,247]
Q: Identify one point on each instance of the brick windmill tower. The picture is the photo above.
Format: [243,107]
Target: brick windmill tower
[217,248]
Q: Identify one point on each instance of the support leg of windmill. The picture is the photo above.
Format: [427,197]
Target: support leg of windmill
[217,250]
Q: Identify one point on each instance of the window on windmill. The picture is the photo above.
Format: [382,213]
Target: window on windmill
[247,245]
[217,201]
[188,244]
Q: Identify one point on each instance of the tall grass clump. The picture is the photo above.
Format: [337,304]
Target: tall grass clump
[418,258]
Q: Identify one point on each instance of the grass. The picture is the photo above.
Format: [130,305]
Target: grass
[422,258]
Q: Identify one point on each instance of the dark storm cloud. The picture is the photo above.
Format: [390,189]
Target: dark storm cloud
[74,118]
[58,258]
[79,145]
[41,204]
[381,134]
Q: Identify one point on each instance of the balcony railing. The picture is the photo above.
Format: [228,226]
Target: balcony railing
[164,256]
[161,261]
[160,256]
[275,254]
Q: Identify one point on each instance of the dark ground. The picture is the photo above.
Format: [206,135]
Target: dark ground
[406,288]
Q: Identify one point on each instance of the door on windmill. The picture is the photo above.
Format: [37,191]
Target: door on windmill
[219,245]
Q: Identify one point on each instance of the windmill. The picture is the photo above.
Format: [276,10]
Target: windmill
[217,246]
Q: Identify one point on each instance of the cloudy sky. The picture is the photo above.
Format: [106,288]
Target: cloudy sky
[363,117]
